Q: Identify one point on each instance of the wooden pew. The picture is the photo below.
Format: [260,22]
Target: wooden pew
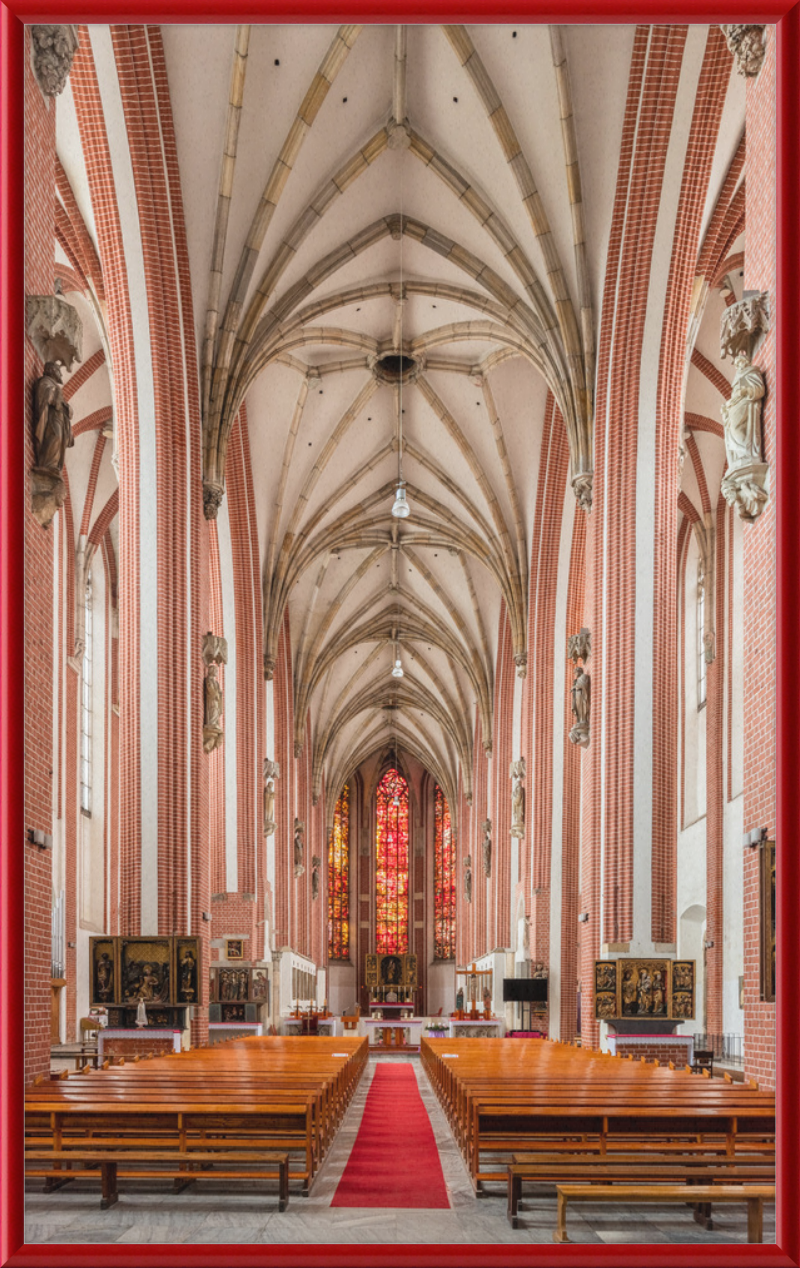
[251,1094]
[502,1098]
[148,1164]
[698,1166]
[754,1195]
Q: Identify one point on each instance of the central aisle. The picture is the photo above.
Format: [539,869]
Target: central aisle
[395,1161]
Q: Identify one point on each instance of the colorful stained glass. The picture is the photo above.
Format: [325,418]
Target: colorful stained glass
[339,880]
[391,872]
[444,882]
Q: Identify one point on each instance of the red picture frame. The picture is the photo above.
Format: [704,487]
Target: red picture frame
[786,16]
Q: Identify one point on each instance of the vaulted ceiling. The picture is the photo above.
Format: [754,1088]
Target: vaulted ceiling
[397,240]
[396,191]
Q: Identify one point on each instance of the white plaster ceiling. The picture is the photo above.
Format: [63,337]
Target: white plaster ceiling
[440,599]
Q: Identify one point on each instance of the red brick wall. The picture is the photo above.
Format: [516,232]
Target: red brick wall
[495,931]
[663,1053]
[283,706]
[94,140]
[39,280]
[591,771]
[571,800]
[714,75]
[759,574]
[553,471]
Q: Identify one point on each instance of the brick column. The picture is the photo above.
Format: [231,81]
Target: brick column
[759,572]
[40,154]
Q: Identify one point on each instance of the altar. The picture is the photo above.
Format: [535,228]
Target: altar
[476,1028]
[392,1032]
[325,1026]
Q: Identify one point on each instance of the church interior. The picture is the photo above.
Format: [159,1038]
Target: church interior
[400,812]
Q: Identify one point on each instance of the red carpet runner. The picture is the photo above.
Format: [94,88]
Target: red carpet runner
[395,1162]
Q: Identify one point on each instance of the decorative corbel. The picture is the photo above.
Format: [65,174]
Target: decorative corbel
[53,47]
[748,43]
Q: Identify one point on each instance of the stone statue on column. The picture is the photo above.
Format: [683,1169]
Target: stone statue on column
[468,878]
[579,647]
[517,775]
[271,772]
[52,436]
[215,653]
[744,483]
[486,847]
[743,328]
[581,705]
[316,863]
[299,847]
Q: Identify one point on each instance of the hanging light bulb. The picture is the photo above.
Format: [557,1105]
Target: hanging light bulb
[401,510]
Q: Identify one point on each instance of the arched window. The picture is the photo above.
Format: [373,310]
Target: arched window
[339,880]
[444,882]
[391,871]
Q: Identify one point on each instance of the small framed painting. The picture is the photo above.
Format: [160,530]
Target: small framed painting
[234,949]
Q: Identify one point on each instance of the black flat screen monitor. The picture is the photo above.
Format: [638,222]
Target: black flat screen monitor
[528,990]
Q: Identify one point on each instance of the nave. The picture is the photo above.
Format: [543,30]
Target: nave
[231,1214]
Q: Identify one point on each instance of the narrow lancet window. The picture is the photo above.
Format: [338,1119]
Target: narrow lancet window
[391,871]
[339,880]
[444,882]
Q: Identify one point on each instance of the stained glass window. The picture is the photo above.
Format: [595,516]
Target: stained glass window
[444,882]
[339,879]
[392,865]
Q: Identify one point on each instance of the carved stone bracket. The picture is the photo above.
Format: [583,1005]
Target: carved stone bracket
[582,488]
[213,494]
[271,772]
[48,493]
[748,43]
[269,668]
[579,646]
[54,328]
[215,653]
[52,49]
[747,488]
[521,662]
[744,325]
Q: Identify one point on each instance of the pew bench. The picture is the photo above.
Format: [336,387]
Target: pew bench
[56,1167]
[283,1127]
[696,1168]
[755,1195]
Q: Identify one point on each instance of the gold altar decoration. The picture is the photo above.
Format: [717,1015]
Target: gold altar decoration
[655,989]
[160,971]
[391,975]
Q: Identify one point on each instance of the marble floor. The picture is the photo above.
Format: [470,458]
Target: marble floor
[152,1213]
